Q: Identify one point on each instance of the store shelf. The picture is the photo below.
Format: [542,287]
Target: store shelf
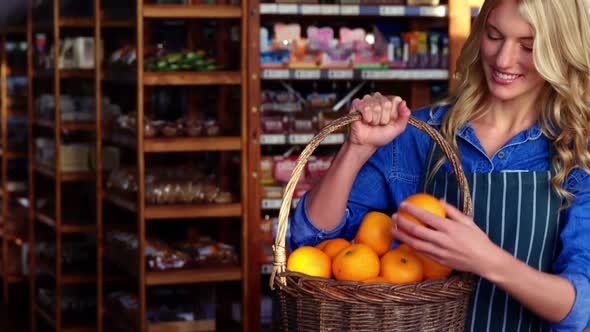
[193,211]
[352,10]
[70,279]
[118,23]
[65,176]
[355,74]
[86,74]
[190,144]
[16,71]
[203,275]
[192,78]
[65,228]
[51,322]
[67,125]
[13,154]
[177,211]
[192,11]
[300,139]
[120,201]
[9,29]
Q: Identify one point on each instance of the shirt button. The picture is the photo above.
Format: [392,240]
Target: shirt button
[501,155]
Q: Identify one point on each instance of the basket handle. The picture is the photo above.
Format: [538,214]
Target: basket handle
[280,253]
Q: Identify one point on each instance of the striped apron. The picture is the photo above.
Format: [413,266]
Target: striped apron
[519,212]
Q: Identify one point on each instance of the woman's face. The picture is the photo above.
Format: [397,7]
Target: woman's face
[507,55]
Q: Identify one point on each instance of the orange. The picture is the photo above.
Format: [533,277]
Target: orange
[311,261]
[432,269]
[376,279]
[375,232]
[405,247]
[399,266]
[357,262]
[426,202]
[333,247]
[323,244]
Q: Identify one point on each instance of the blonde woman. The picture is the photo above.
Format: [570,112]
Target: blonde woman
[520,121]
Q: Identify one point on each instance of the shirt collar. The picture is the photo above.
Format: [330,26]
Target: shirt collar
[437,114]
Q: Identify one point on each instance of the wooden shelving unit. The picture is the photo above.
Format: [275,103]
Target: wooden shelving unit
[192,15]
[44,177]
[10,220]
[456,16]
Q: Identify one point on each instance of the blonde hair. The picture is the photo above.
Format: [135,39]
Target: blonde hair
[561,53]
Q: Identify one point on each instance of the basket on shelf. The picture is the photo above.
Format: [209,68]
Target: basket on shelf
[305,303]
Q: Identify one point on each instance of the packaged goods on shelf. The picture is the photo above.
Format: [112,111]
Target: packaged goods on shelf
[186,60]
[119,126]
[181,185]
[76,254]
[76,306]
[168,305]
[72,108]
[121,247]
[75,52]
[387,46]
[74,157]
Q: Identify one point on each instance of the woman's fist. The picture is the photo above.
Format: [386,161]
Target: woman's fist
[383,119]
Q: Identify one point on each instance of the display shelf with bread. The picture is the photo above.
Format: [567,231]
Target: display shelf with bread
[13,156]
[177,205]
[308,61]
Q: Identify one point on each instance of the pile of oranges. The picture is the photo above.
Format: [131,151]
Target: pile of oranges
[370,257]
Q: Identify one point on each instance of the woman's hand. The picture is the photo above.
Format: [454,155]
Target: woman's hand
[456,242]
[384,118]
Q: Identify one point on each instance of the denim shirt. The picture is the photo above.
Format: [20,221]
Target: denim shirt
[394,171]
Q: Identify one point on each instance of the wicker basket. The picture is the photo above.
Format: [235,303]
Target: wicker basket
[304,303]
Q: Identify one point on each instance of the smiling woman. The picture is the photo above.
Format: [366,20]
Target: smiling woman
[519,120]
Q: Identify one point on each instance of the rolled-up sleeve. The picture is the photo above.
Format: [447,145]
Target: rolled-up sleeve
[573,262]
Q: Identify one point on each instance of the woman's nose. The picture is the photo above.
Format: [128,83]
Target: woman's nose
[507,55]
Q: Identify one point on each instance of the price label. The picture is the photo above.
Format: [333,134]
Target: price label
[433,11]
[334,139]
[268,8]
[306,74]
[271,204]
[310,9]
[288,9]
[349,10]
[300,138]
[377,74]
[266,269]
[329,9]
[391,10]
[276,74]
[336,74]
[408,74]
[273,139]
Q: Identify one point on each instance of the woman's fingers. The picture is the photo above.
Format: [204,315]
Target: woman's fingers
[455,214]
[378,109]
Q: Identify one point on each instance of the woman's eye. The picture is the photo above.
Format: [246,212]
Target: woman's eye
[493,37]
[526,48]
